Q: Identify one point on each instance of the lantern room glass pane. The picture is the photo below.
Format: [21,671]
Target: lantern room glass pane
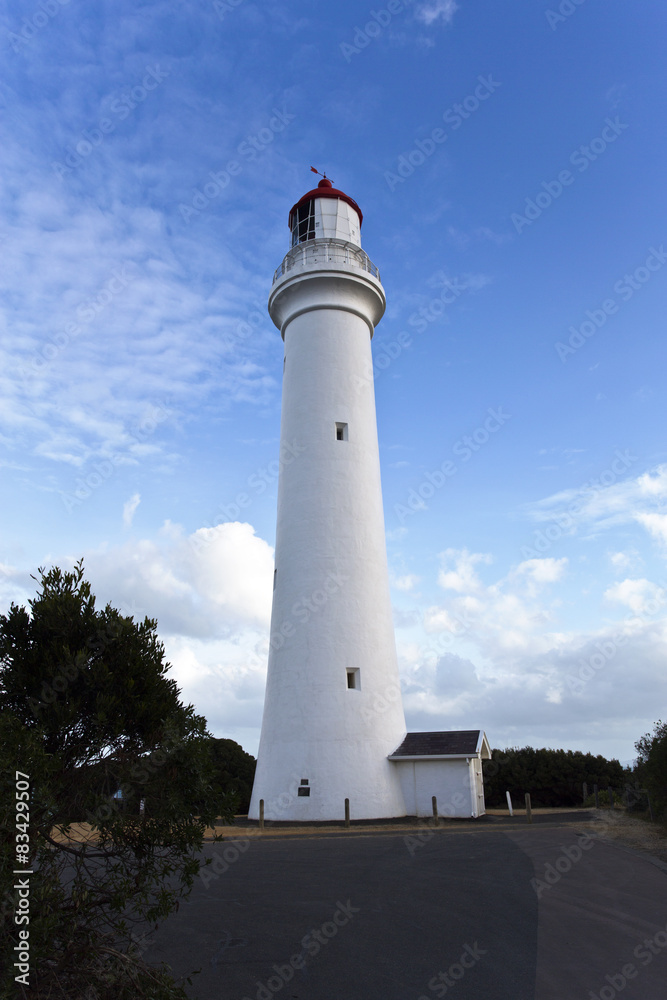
[304,224]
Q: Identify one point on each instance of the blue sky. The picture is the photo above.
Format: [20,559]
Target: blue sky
[509,161]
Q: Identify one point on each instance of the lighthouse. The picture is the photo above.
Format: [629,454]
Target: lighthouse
[333,712]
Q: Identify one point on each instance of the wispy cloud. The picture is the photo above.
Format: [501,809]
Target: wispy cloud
[608,500]
[129,509]
[437,10]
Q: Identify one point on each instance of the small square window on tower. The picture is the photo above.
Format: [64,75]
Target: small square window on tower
[341,432]
[353,679]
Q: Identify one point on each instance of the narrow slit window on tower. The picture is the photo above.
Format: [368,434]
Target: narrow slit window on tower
[341,432]
[275,574]
[353,679]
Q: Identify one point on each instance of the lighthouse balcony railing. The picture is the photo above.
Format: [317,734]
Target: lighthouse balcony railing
[326,251]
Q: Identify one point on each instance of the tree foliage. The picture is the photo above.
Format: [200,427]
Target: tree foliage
[651,767]
[234,770]
[553,777]
[87,710]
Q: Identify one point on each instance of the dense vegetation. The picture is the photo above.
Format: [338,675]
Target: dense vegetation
[234,771]
[651,768]
[86,711]
[553,777]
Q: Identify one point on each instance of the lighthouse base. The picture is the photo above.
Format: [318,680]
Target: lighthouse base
[297,791]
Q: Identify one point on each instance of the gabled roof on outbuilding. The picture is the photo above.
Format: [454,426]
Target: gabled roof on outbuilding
[450,743]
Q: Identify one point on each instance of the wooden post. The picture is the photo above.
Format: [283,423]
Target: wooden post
[529,815]
[347,812]
[261,814]
[595,793]
[434,804]
[509,803]
[610,793]
[585,791]
[650,807]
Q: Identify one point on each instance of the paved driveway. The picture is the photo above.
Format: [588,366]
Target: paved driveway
[486,910]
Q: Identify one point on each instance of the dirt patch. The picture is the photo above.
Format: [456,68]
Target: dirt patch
[616,826]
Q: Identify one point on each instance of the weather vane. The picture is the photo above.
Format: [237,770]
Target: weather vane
[319,174]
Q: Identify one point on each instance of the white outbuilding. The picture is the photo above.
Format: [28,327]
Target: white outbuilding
[445,767]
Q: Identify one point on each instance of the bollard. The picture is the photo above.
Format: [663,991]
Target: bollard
[261,814]
[585,791]
[347,812]
[650,807]
[595,793]
[434,804]
[509,803]
[529,815]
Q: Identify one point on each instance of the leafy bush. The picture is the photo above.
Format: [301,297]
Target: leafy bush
[87,709]
[553,777]
[651,767]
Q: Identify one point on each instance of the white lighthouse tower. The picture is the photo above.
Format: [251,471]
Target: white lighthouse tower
[333,711]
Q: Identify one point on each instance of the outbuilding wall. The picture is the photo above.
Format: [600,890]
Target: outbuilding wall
[455,783]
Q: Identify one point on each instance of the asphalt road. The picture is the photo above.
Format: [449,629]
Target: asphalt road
[496,911]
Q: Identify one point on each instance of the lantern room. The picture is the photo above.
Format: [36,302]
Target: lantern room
[325,213]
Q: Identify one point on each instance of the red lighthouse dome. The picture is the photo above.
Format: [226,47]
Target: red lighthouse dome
[325,213]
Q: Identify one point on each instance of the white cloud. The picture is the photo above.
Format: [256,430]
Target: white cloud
[461,575]
[622,560]
[655,524]
[608,500]
[641,595]
[407,582]
[437,10]
[214,583]
[507,617]
[129,508]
